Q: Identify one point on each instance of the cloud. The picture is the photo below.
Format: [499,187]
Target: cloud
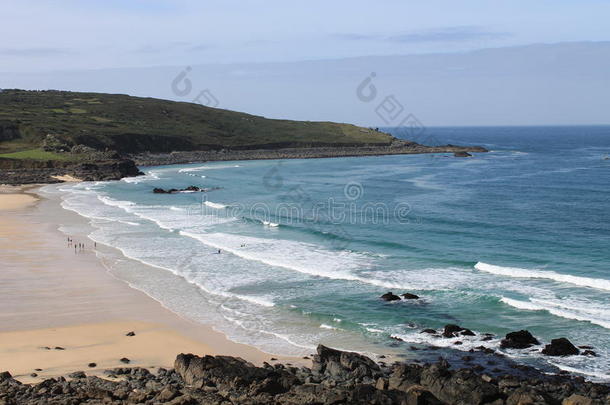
[446,34]
[34,52]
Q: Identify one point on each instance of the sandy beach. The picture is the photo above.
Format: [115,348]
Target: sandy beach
[61,309]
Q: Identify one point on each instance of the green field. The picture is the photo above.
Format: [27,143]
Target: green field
[133,124]
[35,154]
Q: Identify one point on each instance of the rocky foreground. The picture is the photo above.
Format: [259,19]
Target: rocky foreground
[336,377]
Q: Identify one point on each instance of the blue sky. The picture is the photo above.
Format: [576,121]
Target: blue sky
[91,34]
[470,62]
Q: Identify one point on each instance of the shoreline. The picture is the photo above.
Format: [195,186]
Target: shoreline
[89,313]
[58,296]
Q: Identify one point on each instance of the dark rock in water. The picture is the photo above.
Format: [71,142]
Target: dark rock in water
[192,189]
[77,374]
[487,338]
[560,347]
[429,331]
[389,296]
[519,340]
[91,365]
[589,353]
[586,347]
[455,331]
[132,333]
[33,375]
[409,296]
[125,360]
[462,154]
[59,348]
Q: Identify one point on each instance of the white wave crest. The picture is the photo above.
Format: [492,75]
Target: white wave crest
[563,310]
[601,284]
[215,205]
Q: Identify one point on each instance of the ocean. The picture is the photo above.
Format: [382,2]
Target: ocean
[287,254]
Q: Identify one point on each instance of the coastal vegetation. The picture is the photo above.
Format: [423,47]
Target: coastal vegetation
[134,124]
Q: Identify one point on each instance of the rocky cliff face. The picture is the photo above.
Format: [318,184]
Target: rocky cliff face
[336,377]
[24,171]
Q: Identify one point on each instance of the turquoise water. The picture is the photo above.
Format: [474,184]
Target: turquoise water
[517,238]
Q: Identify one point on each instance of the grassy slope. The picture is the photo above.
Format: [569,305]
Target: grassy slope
[133,124]
[34,154]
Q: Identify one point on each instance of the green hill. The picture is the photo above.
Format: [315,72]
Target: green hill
[134,124]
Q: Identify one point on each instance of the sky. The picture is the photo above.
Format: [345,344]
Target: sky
[42,40]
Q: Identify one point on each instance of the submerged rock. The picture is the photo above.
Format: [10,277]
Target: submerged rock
[462,154]
[409,296]
[519,340]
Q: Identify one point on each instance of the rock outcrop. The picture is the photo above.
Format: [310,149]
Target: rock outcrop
[336,377]
[24,171]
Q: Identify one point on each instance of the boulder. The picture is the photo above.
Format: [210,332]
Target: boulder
[462,387]
[526,396]
[409,296]
[462,154]
[389,296]
[404,376]
[560,347]
[77,374]
[519,340]
[228,373]
[343,365]
[577,400]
